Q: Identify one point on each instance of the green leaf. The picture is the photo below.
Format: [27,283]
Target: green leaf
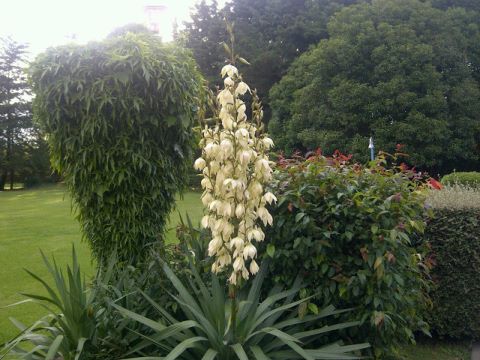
[53,348]
[270,250]
[240,352]
[299,216]
[313,308]
[210,355]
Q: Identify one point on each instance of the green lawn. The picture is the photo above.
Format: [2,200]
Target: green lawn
[41,219]
[430,350]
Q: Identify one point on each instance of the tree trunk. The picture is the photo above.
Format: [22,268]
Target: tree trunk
[3,180]
[12,177]
[9,167]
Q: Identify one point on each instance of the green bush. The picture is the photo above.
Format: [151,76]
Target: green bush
[349,230]
[454,238]
[118,116]
[462,178]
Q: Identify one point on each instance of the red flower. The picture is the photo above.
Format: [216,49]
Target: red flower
[434,184]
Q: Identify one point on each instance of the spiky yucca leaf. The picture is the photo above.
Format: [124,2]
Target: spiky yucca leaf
[265,329]
[70,324]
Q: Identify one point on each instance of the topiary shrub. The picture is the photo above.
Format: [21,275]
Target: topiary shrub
[350,231]
[454,237]
[118,116]
[462,178]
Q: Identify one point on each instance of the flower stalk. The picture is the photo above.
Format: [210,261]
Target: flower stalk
[235,168]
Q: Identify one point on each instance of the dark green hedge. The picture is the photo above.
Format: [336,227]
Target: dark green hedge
[454,237]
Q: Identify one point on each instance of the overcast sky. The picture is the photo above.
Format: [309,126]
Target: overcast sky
[44,23]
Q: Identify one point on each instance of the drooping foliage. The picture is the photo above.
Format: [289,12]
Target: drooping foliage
[400,71]
[350,232]
[118,115]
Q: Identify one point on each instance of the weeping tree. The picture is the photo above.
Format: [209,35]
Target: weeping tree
[118,115]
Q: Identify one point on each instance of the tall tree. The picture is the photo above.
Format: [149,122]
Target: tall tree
[403,72]
[204,35]
[270,34]
[15,110]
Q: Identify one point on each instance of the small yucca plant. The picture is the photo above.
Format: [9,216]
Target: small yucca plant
[265,329]
[68,329]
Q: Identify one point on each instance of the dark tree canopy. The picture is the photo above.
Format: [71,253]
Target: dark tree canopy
[270,34]
[118,115]
[466,4]
[400,71]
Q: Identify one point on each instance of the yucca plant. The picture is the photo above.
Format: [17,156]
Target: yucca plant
[263,329]
[68,329]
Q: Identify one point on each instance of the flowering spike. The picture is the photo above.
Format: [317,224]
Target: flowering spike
[235,168]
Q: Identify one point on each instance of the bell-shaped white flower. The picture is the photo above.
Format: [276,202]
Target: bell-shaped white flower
[229,70]
[233,279]
[254,267]
[238,264]
[205,221]
[228,81]
[265,216]
[199,164]
[241,88]
[269,198]
[267,142]
[214,245]
[226,147]
[249,251]
[239,211]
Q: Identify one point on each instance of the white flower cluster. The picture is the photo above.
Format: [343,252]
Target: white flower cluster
[235,167]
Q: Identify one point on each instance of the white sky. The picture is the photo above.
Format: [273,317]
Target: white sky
[44,23]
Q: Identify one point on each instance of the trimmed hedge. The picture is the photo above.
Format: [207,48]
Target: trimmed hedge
[462,178]
[118,115]
[454,237]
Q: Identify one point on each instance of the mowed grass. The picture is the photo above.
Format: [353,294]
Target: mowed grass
[434,350]
[31,220]
[42,218]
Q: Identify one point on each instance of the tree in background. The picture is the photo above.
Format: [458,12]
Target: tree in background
[15,111]
[273,33]
[402,72]
[466,4]
[204,35]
